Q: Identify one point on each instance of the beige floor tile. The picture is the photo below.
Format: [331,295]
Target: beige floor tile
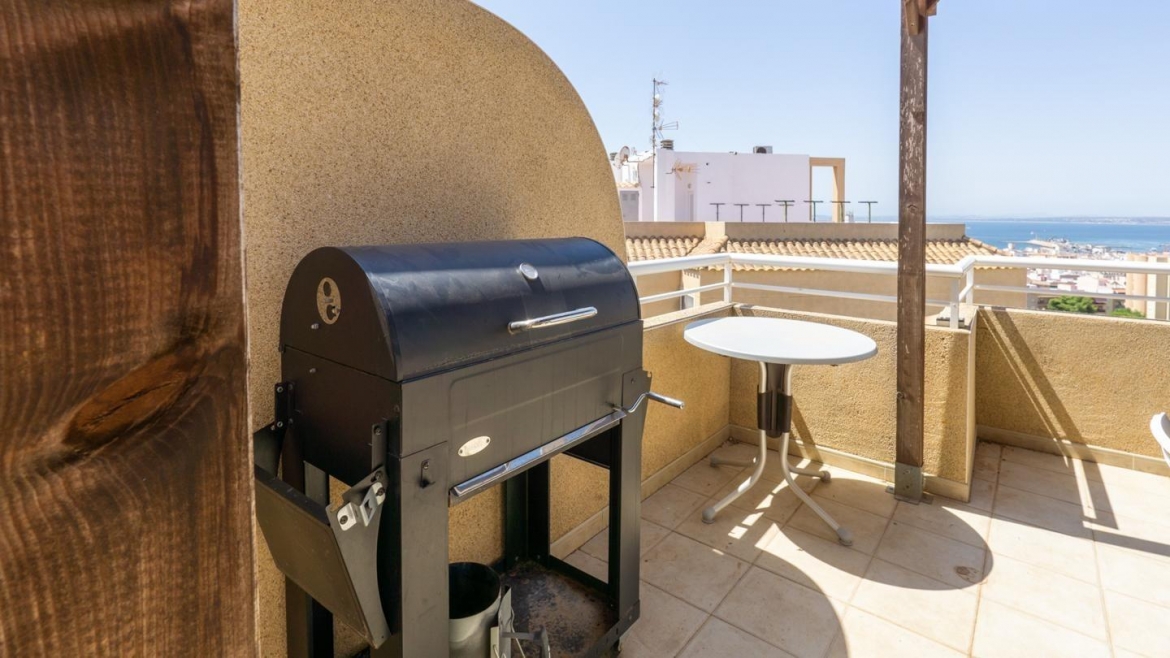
[1116,476]
[772,497]
[773,470]
[1057,598]
[866,636]
[1138,626]
[982,495]
[987,456]
[1055,463]
[1071,556]
[917,603]
[735,532]
[1003,632]
[867,528]
[855,490]
[1147,539]
[703,478]
[1044,512]
[947,518]
[665,626]
[951,562]
[670,505]
[795,618]
[739,451]
[1135,503]
[1068,487]
[694,572]
[813,562]
[718,638]
[598,547]
[589,564]
[1134,575]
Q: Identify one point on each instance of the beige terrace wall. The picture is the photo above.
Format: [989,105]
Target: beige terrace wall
[1087,380]
[851,408]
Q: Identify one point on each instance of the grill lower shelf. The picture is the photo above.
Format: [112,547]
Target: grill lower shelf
[577,617]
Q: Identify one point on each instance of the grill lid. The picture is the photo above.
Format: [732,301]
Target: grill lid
[407,311]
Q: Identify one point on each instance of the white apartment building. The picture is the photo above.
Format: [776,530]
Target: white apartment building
[693,186]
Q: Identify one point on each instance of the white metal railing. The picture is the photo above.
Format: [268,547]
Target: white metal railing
[961,275]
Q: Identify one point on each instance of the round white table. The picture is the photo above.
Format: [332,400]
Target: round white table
[778,344]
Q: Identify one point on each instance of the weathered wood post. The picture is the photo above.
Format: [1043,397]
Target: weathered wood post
[125,474]
[911,357]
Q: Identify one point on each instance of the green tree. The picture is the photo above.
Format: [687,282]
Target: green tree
[1072,304]
[1123,312]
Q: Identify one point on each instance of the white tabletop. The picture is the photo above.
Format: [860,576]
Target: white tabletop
[776,340]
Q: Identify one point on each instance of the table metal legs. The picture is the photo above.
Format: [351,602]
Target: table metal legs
[775,415]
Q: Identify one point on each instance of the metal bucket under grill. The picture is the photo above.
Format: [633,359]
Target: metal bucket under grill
[474,603]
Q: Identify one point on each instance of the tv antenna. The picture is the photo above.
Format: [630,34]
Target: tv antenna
[763,211]
[869,210]
[658,125]
[787,203]
[741,207]
[814,207]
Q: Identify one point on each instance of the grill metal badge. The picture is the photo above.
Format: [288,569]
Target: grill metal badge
[473,446]
[328,300]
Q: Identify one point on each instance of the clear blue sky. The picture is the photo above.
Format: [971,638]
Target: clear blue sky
[1036,107]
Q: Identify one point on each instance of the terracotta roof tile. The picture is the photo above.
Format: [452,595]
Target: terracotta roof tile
[658,248]
[937,251]
[942,252]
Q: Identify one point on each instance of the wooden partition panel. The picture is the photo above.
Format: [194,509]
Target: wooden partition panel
[125,503]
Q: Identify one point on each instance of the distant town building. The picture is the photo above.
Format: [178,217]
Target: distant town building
[1150,285]
[753,186]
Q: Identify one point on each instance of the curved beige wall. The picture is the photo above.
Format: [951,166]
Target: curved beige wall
[375,121]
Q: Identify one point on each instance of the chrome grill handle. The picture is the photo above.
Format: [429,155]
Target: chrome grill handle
[552,320]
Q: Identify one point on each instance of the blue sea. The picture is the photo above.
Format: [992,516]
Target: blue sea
[1137,235]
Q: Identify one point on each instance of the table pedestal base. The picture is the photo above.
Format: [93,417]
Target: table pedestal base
[775,413]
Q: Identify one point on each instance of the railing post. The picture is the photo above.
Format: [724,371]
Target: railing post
[970,284]
[955,303]
[727,281]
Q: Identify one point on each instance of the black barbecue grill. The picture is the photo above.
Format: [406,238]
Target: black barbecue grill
[420,376]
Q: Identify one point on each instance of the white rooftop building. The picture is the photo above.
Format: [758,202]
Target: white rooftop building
[693,186]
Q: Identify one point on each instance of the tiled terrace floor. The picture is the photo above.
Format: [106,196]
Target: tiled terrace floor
[1050,558]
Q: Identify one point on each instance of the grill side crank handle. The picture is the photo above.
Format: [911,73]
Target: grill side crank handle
[657,397]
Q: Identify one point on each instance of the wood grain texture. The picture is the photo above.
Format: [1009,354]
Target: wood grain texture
[125,499]
[912,246]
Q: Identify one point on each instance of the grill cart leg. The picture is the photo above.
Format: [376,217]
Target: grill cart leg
[625,505]
[308,625]
[421,567]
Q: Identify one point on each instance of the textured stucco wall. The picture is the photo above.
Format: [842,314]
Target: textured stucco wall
[653,284]
[383,121]
[680,370]
[1089,380]
[851,407]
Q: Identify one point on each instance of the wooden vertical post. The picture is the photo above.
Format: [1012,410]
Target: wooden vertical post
[125,474]
[911,356]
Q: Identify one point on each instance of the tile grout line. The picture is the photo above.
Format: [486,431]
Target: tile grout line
[1101,595]
[988,556]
